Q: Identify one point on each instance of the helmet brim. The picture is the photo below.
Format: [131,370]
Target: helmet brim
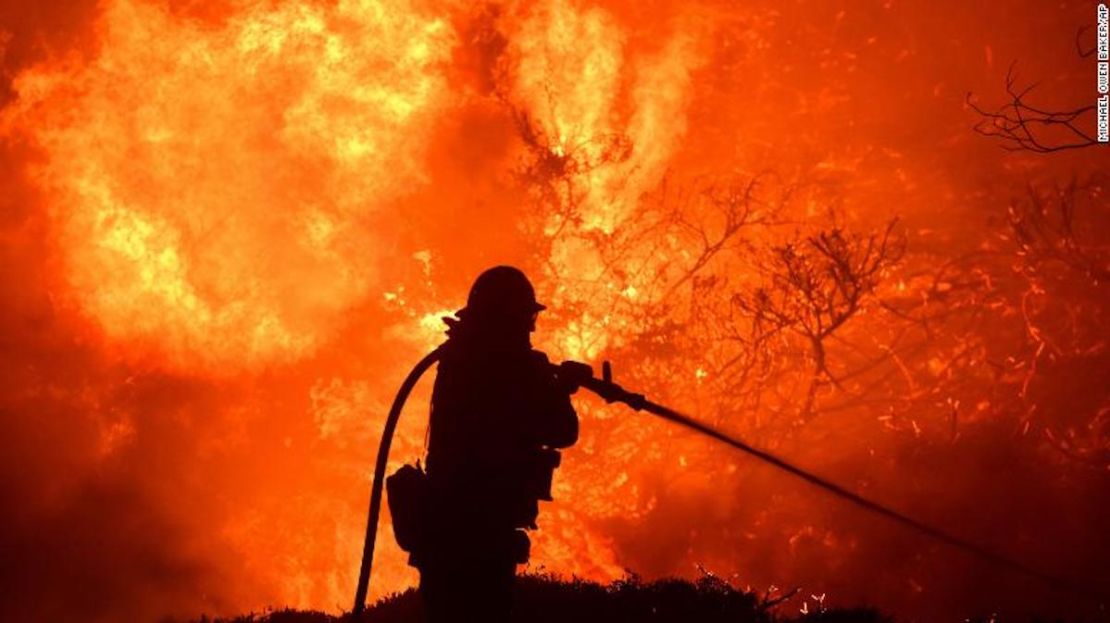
[535,307]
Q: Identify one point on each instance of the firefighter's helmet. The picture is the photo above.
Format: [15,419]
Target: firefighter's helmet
[500,292]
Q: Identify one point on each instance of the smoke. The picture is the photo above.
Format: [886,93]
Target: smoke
[227,230]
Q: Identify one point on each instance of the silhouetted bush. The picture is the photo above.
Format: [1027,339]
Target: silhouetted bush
[546,599]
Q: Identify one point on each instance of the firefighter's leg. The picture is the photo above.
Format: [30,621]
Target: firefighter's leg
[490,591]
[499,574]
[464,593]
[442,594]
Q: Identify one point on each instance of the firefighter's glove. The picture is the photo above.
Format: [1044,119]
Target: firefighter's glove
[573,374]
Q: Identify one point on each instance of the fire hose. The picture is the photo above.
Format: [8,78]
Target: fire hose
[379,474]
[612,392]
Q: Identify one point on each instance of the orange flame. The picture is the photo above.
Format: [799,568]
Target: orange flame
[212,185]
[253,215]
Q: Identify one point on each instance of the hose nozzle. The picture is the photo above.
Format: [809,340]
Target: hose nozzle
[581,375]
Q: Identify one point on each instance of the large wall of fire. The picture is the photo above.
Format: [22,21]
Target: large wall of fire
[228,229]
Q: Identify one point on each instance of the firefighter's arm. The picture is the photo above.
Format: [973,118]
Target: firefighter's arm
[562,423]
[558,426]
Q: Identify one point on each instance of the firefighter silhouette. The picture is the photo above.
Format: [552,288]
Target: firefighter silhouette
[500,411]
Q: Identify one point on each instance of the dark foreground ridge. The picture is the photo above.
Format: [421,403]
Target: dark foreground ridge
[545,599]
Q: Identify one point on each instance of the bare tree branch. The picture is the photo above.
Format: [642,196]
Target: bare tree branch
[1020,126]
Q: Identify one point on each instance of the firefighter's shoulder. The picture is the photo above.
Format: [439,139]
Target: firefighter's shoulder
[538,357]
[539,365]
